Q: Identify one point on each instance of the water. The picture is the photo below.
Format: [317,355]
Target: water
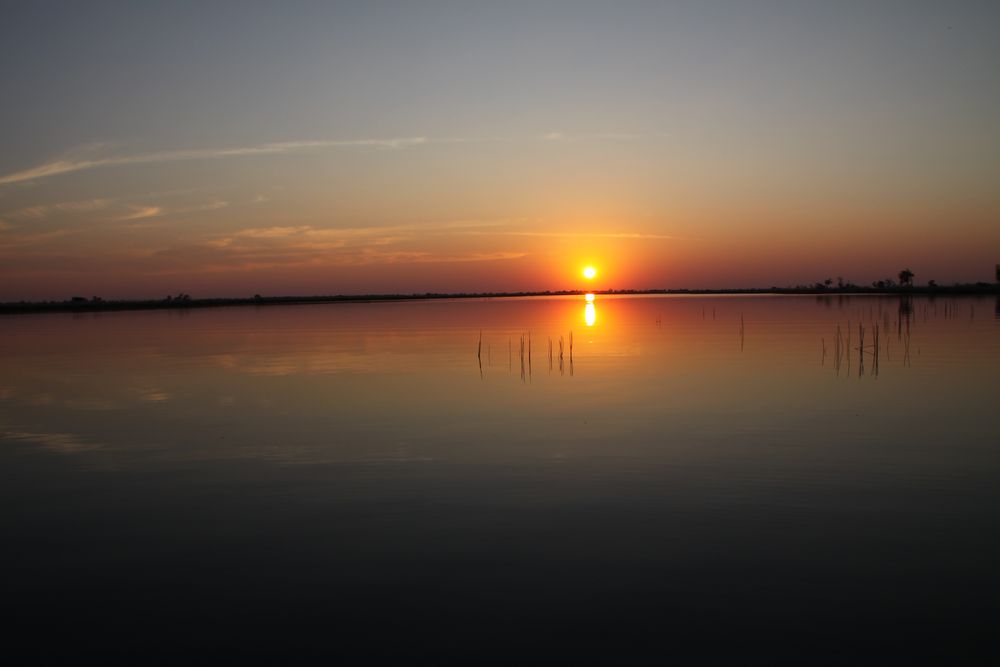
[705,480]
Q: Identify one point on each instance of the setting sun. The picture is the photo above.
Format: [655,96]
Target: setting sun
[589,273]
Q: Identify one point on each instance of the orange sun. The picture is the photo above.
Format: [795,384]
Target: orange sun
[589,273]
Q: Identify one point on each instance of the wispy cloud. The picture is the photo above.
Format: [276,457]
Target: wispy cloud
[589,136]
[401,257]
[118,210]
[210,206]
[249,248]
[154,211]
[74,163]
[590,235]
[265,247]
[85,205]
[31,212]
[40,211]
[276,232]
[69,165]
[373,234]
[141,213]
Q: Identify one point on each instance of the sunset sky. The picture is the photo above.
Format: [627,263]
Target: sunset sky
[228,149]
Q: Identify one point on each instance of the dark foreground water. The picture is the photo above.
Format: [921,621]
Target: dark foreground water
[706,480]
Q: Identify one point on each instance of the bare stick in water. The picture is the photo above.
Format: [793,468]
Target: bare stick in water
[529,353]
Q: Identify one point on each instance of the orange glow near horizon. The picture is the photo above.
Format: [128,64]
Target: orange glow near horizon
[212,256]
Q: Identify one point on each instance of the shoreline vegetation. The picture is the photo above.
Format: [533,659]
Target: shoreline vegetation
[186,301]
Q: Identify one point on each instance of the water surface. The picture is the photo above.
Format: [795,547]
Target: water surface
[702,479]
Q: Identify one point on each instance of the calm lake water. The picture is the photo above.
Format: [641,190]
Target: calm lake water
[702,480]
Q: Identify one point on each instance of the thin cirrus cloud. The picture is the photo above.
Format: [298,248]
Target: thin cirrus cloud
[66,166]
[590,235]
[335,237]
[131,212]
[140,213]
[599,136]
[70,165]
[264,247]
[44,210]
[145,212]
[212,257]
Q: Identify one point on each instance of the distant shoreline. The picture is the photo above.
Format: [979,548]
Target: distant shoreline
[81,304]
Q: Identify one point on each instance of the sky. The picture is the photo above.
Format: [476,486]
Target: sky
[298,148]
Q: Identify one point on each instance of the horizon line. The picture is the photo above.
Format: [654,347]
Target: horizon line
[184,300]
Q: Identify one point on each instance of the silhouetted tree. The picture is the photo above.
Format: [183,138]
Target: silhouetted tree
[932,284]
[906,278]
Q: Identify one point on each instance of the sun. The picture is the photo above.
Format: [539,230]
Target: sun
[589,273]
